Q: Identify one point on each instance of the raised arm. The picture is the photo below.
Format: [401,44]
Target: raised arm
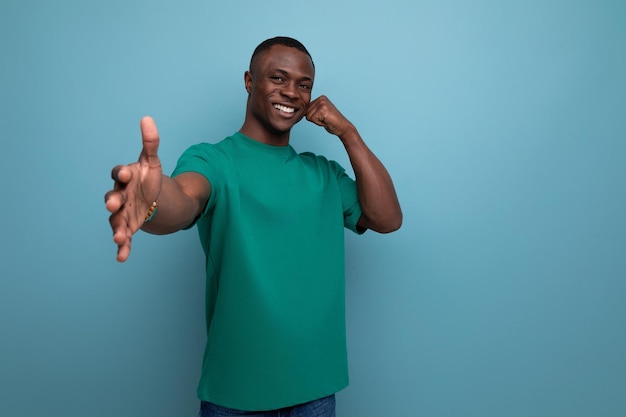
[377,195]
[138,185]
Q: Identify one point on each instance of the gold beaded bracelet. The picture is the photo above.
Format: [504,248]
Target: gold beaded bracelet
[152,211]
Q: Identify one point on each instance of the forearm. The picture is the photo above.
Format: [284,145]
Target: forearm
[377,195]
[176,209]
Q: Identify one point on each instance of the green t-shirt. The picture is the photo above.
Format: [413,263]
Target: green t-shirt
[272,232]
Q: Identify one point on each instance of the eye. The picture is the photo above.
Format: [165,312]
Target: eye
[277,78]
[306,87]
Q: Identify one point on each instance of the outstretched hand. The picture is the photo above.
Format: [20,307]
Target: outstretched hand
[323,113]
[136,186]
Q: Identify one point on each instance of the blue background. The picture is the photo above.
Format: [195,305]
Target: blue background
[502,123]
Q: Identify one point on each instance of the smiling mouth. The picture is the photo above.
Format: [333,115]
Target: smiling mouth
[284,109]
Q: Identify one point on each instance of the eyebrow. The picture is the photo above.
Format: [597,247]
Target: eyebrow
[283,72]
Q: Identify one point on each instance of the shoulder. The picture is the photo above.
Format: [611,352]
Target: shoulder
[205,158]
[206,150]
[321,162]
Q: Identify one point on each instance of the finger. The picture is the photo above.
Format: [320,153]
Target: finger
[122,236]
[316,116]
[320,99]
[115,198]
[313,103]
[123,248]
[149,137]
[119,227]
[121,174]
[319,111]
[313,113]
[123,251]
[113,201]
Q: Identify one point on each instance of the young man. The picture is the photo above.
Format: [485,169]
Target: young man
[271,225]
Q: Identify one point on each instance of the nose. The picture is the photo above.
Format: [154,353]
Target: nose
[290,90]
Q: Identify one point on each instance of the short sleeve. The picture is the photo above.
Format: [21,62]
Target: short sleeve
[349,198]
[205,160]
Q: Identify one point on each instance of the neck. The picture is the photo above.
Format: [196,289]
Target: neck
[264,134]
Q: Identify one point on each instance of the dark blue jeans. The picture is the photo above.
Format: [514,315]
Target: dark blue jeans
[324,407]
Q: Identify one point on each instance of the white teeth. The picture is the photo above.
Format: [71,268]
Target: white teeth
[284,109]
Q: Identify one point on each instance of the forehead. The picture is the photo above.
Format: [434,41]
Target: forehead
[285,58]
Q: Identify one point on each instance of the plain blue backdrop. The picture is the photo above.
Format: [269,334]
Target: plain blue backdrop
[503,124]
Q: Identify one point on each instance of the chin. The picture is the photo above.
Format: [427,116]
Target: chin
[282,128]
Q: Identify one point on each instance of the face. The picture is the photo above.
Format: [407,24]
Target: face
[279,84]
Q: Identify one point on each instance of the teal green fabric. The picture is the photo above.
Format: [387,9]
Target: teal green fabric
[272,232]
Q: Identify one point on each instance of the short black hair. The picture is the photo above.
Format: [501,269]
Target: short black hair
[279,40]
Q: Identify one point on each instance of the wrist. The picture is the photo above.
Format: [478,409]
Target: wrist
[350,136]
[151,211]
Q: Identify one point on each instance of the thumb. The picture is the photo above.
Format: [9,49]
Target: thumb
[149,137]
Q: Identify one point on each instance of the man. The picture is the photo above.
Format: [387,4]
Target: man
[271,224]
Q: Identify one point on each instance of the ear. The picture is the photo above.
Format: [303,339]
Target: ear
[247,79]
